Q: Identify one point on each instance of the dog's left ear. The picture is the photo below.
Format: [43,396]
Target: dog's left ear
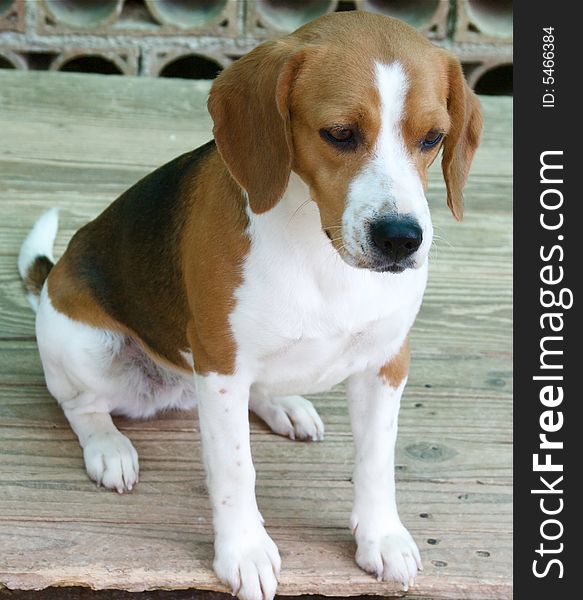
[463,138]
[249,106]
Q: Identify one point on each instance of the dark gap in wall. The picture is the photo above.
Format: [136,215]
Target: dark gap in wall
[5,63]
[469,68]
[5,6]
[345,5]
[40,61]
[496,82]
[192,66]
[92,64]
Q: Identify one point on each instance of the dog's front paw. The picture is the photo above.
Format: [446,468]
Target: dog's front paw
[111,461]
[249,563]
[391,555]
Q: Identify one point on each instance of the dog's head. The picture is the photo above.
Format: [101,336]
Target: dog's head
[358,105]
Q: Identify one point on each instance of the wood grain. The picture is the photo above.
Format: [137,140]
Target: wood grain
[78,141]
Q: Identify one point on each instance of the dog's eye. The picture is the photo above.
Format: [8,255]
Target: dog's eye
[341,137]
[431,140]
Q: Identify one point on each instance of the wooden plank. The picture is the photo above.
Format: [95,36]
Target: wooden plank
[78,141]
[185,556]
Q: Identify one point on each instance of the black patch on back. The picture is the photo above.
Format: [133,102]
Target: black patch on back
[131,251]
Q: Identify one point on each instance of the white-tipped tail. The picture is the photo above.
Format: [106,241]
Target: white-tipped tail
[35,259]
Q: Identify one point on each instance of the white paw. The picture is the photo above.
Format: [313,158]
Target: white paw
[249,564]
[293,417]
[111,461]
[392,556]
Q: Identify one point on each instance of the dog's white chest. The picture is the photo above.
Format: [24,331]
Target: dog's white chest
[305,320]
[313,364]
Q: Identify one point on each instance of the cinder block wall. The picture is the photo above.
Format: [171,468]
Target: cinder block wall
[196,38]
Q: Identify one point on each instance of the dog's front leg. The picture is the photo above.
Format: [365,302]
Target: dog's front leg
[246,558]
[384,547]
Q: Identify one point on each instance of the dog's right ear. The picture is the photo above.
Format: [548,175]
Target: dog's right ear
[463,138]
[249,106]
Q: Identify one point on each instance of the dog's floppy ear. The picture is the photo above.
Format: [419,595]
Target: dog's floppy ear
[249,106]
[463,138]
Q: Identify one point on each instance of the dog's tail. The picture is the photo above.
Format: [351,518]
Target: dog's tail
[35,260]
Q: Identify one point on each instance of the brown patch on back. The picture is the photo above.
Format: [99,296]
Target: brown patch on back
[130,269]
[397,368]
[70,295]
[213,250]
[36,274]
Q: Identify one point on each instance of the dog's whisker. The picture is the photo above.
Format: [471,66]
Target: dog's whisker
[298,209]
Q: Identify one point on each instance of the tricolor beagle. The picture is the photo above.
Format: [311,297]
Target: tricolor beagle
[285,256]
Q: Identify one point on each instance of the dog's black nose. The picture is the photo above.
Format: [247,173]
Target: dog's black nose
[396,237]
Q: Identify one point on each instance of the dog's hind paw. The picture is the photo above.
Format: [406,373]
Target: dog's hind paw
[291,416]
[111,461]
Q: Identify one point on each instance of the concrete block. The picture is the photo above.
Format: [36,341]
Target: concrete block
[491,77]
[482,21]
[11,60]
[197,38]
[273,18]
[428,16]
[12,15]
[62,16]
[186,63]
[138,17]
[97,60]
[215,17]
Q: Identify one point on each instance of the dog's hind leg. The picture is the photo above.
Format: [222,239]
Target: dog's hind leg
[110,458]
[82,368]
[82,371]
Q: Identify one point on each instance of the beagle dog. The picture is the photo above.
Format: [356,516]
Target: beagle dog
[283,257]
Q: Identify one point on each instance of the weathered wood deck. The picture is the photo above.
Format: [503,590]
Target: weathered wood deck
[77,141]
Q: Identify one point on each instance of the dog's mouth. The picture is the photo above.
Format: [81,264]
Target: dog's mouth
[381,264]
[389,267]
